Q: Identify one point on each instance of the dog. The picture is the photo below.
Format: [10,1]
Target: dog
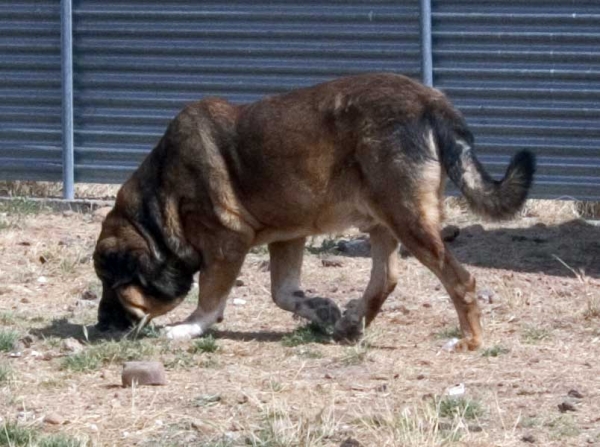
[370,151]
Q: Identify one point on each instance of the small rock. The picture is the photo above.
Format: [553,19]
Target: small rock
[450,345]
[486,295]
[450,233]
[566,406]
[404,252]
[456,390]
[54,419]
[350,442]
[403,309]
[72,345]
[199,425]
[25,300]
[239,301]
[68,213]
[474,428]
[239,283]
[143,373]
[88,295]
[355,247]
[100,213]
[576,394]
[331,263]
[528,438]
[427,305]
[85,304]
[27,341]
[420,376]
[42,280]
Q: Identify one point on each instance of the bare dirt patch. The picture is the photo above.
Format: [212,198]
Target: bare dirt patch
[262,379]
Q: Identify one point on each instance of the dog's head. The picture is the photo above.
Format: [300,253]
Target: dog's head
[141,278]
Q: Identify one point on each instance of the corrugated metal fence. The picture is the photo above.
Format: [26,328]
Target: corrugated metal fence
[526,74]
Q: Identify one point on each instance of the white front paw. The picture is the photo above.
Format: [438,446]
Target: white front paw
[183,331]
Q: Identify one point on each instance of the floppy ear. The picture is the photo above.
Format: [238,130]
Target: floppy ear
[117,264]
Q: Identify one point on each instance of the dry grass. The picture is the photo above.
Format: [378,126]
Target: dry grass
[55,190]
[262,378]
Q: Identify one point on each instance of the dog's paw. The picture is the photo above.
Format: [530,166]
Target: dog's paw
[349,328]
[322,311]
[185,331]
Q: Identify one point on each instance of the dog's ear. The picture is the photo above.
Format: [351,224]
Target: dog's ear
[116,263]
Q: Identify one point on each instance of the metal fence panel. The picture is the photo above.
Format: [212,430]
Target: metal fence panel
[526,75]
[137,62]
[30,90]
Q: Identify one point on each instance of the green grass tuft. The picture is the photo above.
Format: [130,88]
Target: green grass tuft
[494,351]
[205,345]
[460,407]
[310,333]
[452,332]
[8,338]
[15,435]
[96,356]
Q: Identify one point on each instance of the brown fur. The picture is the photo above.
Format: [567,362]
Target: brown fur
[362,151]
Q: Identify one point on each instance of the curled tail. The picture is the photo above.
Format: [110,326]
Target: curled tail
[496,199]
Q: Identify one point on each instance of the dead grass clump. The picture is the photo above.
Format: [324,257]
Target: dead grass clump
[533,335]
[553,210]
[55,190]
[416,426]
[21,207]
[280,428]
[592,310]
[6,373]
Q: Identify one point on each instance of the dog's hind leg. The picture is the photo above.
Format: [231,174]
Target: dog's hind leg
[215,283]
[421,235]
[286,267]
[384,276]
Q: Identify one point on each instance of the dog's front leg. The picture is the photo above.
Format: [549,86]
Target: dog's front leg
[286,267]
[215,284]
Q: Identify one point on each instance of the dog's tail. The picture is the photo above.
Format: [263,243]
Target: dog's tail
[496,199]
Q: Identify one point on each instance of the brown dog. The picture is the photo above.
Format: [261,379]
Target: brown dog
[370,151]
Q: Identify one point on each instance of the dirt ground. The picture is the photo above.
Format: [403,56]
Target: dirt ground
[259,380]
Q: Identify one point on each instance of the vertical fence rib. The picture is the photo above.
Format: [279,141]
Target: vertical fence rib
[67,99]
[426,49]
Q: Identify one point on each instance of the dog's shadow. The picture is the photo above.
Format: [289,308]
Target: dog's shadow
[569,249]
[62,328]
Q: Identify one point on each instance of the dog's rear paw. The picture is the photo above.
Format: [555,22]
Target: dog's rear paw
[321,311]
[184,331]
[349,328]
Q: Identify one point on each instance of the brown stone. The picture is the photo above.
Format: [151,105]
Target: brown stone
[143,373]
[54,419]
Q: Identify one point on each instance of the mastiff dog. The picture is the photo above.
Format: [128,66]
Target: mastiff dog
[369,151]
